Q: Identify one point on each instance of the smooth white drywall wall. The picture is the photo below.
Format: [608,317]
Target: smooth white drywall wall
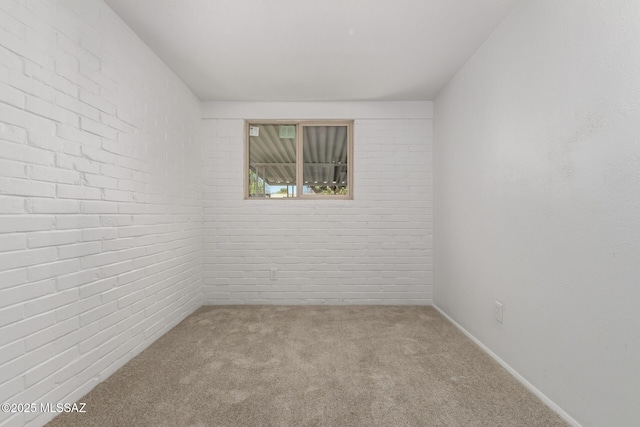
[537,202]
[374,249]
[100,200]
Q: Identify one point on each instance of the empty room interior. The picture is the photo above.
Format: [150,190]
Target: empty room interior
[327,213]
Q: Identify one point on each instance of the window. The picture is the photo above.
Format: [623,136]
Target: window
[299,159]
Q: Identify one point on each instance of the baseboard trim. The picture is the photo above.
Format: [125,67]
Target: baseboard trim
[550,403]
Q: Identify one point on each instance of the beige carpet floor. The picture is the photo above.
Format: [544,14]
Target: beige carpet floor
[312,366]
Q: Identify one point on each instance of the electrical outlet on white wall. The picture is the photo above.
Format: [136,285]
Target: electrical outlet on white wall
[274,274]
[499,308]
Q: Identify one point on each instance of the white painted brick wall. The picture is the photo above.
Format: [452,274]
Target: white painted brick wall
[375,249]
[102,187]
[100,200]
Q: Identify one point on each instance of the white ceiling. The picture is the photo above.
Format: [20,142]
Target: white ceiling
[313,50]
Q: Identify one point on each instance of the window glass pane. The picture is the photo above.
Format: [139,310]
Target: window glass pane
[325,150]
[272,160]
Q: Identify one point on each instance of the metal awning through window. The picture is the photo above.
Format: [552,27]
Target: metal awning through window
[325,151]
